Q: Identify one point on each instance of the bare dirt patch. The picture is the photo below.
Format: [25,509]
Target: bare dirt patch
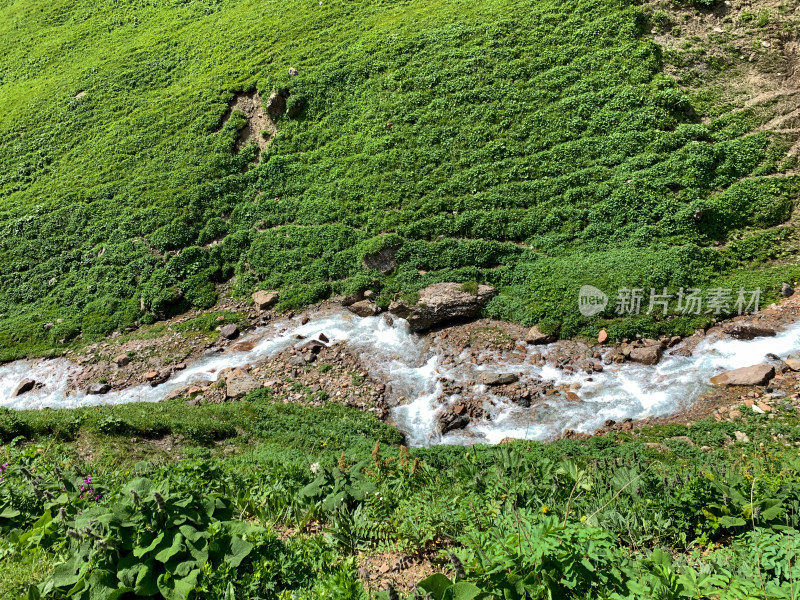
[400,570]
[259,128]
[747,51]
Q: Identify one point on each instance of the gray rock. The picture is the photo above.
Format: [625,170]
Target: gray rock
[741,437]
[363,308]
[744,331]
[786,290]
[301,360]
[450,421]
[97,389]
[383,261]
[25,386]
[276,105]
[755,375]
[649,355]
[240,384]
[265,300]
[498,378]
[229,331]
[292,72]
[442,302]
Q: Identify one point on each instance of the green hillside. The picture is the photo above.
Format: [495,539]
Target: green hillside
[534,145]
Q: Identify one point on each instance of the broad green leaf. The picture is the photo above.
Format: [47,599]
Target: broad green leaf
[239,550]
[64,574]
[436,585]
[462,590]
[173,588]
[146,583]
[728,521]
[172,549]
[142,550]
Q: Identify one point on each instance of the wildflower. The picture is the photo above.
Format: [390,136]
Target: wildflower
[544,510]
[3,467]
[315,468]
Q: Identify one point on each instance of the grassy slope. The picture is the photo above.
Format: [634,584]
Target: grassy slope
[534,145]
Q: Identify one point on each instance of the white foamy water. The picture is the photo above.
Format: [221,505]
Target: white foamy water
[407,363]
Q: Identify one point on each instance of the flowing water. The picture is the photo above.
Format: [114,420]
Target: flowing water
[414,370]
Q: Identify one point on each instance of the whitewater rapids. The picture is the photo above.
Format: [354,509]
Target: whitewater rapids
[405,361]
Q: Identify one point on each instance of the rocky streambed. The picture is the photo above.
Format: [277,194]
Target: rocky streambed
[476,381]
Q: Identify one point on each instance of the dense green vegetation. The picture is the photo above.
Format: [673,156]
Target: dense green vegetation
[535,145]
[290,504]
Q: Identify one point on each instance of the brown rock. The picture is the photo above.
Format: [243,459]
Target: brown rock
[602,336]
[755,375]
[242,347]
[151,375]
[122,360]
[573,397]
[265,300]
[363,308]
[793,361]
[649,355]
[536,336]
[442,302]
[449,421]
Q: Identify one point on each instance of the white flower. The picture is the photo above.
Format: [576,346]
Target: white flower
[315,468]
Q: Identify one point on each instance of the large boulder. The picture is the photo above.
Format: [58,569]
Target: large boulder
[276,104]
[240,384]
[442,302]
[744,331]
[649,355]
[229,331]
[25,386]
[363,308]
[264,300]
[383,261]
[793,361]
[755,375]
[786,290]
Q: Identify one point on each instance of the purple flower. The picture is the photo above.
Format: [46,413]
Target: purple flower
[3,467]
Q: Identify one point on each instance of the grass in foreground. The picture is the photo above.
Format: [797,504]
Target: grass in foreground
[666,512]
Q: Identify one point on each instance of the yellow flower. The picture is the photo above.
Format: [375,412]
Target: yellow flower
[544,510]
